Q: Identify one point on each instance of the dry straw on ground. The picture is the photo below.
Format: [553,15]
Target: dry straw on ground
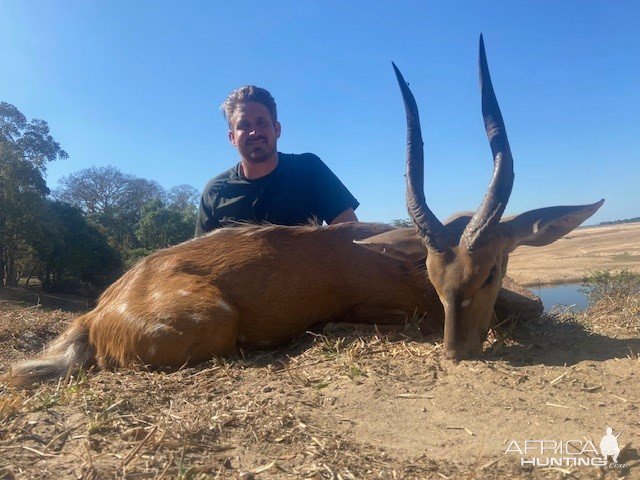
[333,405]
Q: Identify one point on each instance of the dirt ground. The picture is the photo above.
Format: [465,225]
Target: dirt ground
[573,257]
[337,404]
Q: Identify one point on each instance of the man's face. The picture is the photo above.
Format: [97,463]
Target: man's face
[253,133]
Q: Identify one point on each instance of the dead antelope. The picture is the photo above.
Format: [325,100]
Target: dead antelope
[257,286]
[467,258]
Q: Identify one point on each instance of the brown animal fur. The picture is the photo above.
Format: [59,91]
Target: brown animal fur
[250,287]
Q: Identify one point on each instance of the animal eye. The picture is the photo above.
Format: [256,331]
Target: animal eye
[492,275]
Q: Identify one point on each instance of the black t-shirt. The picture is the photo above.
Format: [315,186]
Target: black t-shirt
[300,188]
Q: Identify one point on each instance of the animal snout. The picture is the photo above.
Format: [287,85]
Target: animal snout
[466,350]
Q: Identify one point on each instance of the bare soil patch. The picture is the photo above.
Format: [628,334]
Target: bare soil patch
[337,405]
[575,256]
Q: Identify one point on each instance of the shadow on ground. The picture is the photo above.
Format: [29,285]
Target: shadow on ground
[549,340]
[557,340]
[35,296]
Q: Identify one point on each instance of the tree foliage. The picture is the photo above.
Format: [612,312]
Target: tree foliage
[25,147]
[163,225]
[37,236]
[95,190]
[100,215]
[22,193]
[137,215]
[31,140]
[183,197]
[111,199]
[107,191]
[401,223]
[71,252]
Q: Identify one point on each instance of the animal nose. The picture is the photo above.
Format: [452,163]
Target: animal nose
[458,354]
[453,353]
[463,351]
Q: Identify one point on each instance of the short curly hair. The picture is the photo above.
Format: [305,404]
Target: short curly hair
[249,93]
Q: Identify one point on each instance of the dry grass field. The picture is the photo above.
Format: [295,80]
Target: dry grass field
[337,404]
[575,256]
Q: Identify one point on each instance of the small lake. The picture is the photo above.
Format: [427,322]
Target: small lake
[569,294]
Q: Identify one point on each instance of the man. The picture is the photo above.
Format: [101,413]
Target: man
[269,186]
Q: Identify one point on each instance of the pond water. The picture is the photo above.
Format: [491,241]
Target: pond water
[569,294]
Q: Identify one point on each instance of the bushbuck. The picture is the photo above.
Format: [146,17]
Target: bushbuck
[467,258]
[257,286]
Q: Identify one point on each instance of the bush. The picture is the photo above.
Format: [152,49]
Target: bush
[612,287]
[73,253]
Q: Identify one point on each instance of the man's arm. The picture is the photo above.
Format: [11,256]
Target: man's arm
[336,204]
[200,221]
[204,221]
[347,216]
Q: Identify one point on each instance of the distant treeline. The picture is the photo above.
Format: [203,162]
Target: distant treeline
[626,220]
[86,232]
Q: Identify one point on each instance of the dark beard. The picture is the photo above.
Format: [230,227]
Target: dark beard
[257,156]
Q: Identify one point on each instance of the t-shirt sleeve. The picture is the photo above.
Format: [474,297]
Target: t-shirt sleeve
[205,221]
[203,215]
[333,197]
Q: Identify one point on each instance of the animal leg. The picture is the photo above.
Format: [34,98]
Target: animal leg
[193,339]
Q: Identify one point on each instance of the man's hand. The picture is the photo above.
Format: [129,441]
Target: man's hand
[347,216]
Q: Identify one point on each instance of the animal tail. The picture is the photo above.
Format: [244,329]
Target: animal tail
[69,352]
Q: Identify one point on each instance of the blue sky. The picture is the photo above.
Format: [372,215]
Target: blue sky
[138,85]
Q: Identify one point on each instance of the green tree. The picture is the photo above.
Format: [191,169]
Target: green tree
[71,252]
[22,193]
[163,225]
[183,197]
[95,190]
[401,223]
[185,200]
[31,140]
[25,148]
[111,199]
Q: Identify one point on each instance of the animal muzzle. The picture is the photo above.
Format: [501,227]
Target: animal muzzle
[459,343]
[463,351]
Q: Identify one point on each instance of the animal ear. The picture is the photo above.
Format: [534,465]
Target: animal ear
[403,244]
[546,225]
